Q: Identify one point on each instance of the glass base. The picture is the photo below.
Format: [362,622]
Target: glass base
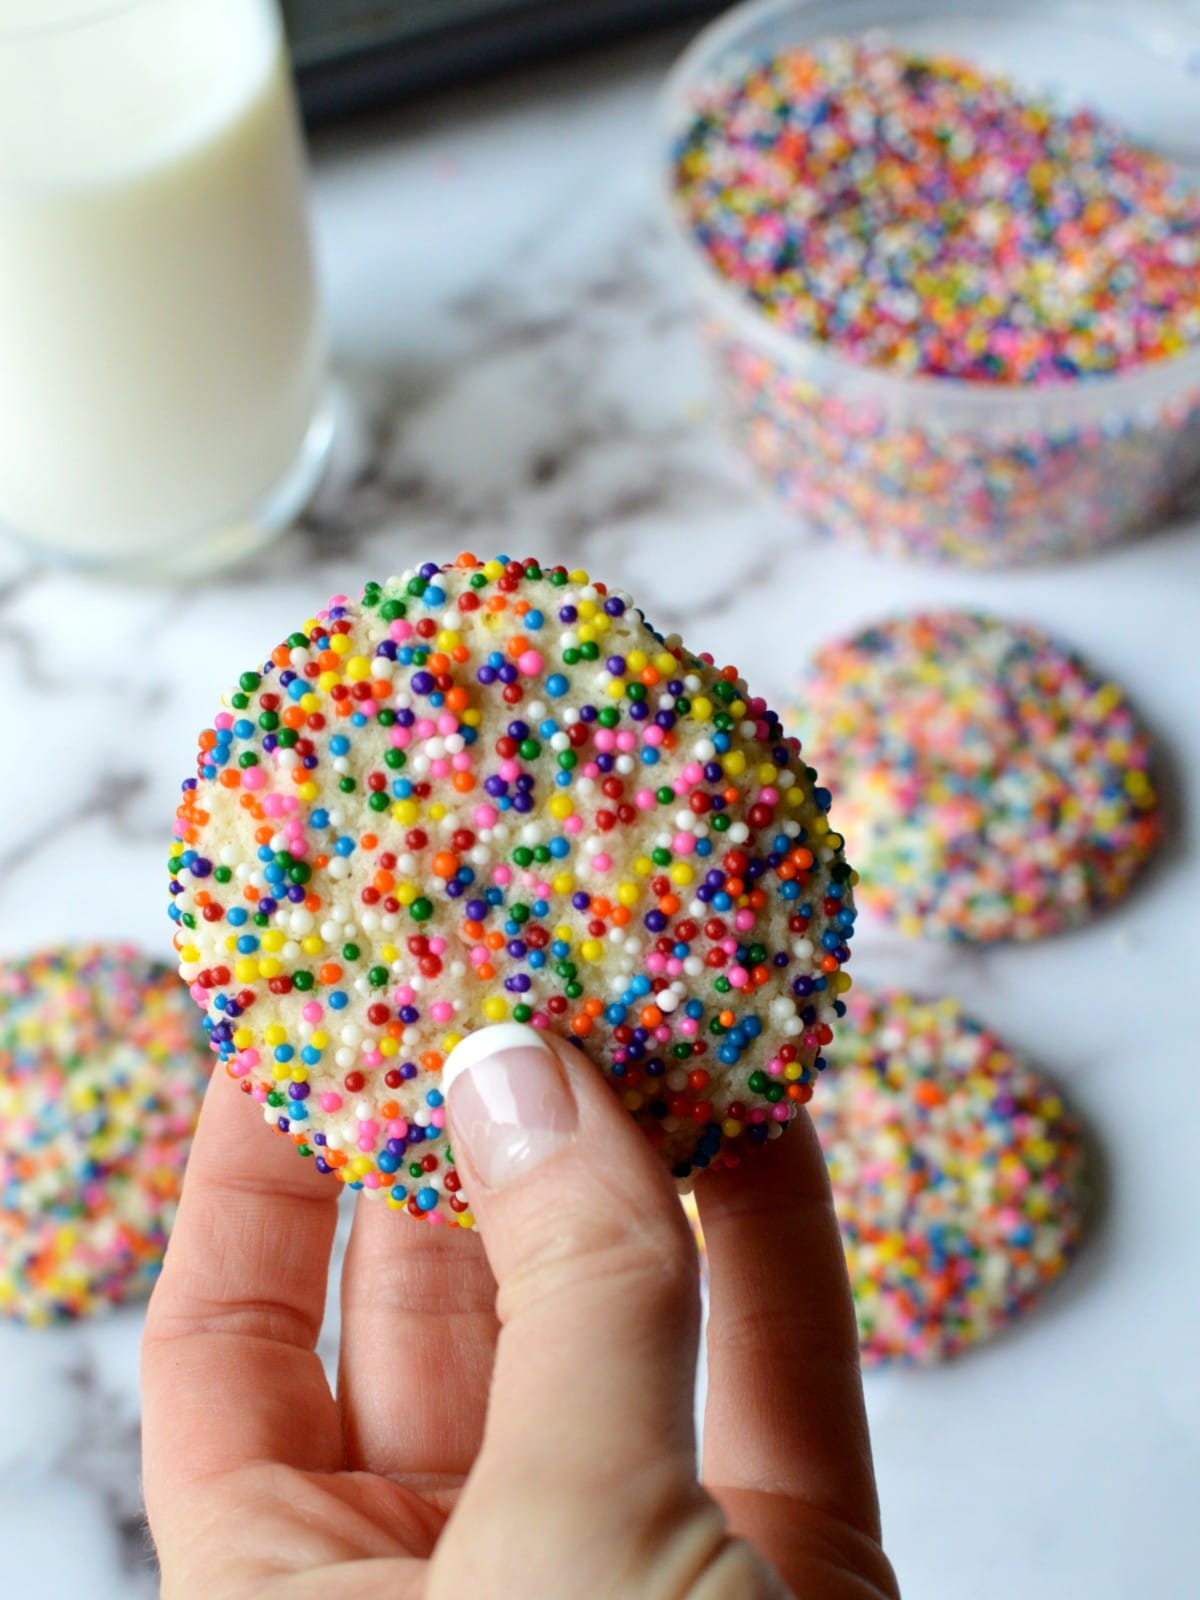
[235,541]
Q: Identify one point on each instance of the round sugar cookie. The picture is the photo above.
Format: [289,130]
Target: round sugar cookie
[958,1175]
[492,792]
[990,785]
[102,1070]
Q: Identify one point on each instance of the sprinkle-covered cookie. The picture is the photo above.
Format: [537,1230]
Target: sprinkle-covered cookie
[102,1069]
[990,784]
[958,1176]
[487,792]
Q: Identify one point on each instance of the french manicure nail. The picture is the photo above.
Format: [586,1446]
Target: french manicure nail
[510,1106]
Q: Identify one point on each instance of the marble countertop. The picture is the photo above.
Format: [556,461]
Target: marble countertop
[518,373]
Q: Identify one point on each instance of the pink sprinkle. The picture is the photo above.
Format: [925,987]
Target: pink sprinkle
[330,1100]
[313,1011]
[573,825]
[530,663]
[485,816]
[404,994]
[738,977]
[602,862]
[447,723]
[644,799]
[441,1011]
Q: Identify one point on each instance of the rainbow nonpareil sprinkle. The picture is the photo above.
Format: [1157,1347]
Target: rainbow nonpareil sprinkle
[920,214]
[991,785]
[959,1176]
[102,1069]
[490,792]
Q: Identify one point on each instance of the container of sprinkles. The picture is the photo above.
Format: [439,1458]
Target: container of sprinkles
[946,259]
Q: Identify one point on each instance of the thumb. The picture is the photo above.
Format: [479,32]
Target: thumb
[586,1482]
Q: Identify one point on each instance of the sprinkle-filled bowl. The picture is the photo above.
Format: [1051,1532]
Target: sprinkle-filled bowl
[976,436]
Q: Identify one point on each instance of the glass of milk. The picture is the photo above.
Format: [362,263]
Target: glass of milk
[162,361]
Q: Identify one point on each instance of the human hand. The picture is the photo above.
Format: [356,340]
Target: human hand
[535,1441]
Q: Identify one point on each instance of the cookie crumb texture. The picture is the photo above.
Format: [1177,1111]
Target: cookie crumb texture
[992,786]
[958,1173]
[491,792]
[102,1069]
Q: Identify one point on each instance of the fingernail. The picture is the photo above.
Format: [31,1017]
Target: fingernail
[509,1103]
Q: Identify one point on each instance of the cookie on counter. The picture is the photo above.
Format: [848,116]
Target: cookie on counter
[990,784]
[487,792]
[959,1176]
[102,1069]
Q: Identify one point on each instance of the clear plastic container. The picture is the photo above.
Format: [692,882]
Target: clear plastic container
[943,469]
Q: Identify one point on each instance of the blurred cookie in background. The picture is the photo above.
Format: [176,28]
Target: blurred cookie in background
[103,1064]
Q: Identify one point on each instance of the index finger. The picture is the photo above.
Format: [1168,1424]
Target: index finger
[785,1412]
[229,1366]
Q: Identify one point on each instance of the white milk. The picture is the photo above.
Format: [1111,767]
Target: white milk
[160,343]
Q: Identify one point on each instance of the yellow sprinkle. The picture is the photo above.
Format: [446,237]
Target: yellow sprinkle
[495,1009]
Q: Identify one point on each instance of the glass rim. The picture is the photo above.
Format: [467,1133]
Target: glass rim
[90,13]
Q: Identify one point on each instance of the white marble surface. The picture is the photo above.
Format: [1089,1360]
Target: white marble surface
[521,376]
